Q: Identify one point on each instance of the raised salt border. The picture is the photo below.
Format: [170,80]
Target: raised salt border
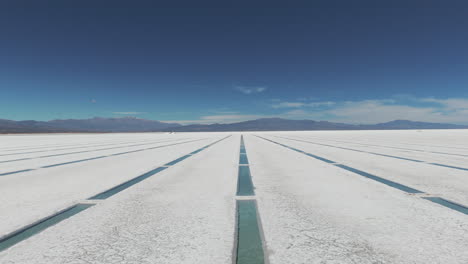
[312,211]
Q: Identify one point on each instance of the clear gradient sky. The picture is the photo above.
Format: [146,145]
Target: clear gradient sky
[204,62]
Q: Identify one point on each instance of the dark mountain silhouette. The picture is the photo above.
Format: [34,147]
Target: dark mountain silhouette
[279,124]
[132,124]
[406,124]
[97,124]
[123,124]
[28,126]
[267,124]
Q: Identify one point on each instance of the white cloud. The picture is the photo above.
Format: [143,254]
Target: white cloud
[227,117]
[450,104]
[451,110]
[250,90]
[375,111]
[129,113]
[317,104]
[301,104]
[211,119]
[226,112]
[288,105]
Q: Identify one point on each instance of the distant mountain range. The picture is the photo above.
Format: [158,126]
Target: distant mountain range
[97,124]
[279,124]
[132,124]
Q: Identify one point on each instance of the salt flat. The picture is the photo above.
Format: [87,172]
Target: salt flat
[309,210]
[422,176]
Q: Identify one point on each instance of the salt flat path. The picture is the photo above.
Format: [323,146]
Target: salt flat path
[179,195]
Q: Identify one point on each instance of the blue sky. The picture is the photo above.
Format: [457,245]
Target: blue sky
[345,61]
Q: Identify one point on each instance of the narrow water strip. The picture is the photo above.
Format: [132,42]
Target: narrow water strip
[87,145]
[379,179]
[249,248]
[380,154]
[177,160]
[319,158]
[114,190]
[244,179]
[359,172]
[98,157]
[454,206]
[244,182]
[449,166]
[242,146]
[243,160]
[91,150]
[196,151]
[356,150]
[416,150]
[71,162]
[125,185]
[14,172]
[27,232]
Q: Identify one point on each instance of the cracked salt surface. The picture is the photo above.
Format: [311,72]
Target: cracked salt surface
[184,215]
[311,211]
[32,230]
[451,184]
[314,212]
[30,196]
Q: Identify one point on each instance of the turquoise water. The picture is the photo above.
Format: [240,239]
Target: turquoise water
[244,182]
[243,159]
[125,185]
[249,242]
[28,232]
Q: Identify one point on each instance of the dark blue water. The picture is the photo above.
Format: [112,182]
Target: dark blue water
[177,160]
[381,180]
[457,207]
